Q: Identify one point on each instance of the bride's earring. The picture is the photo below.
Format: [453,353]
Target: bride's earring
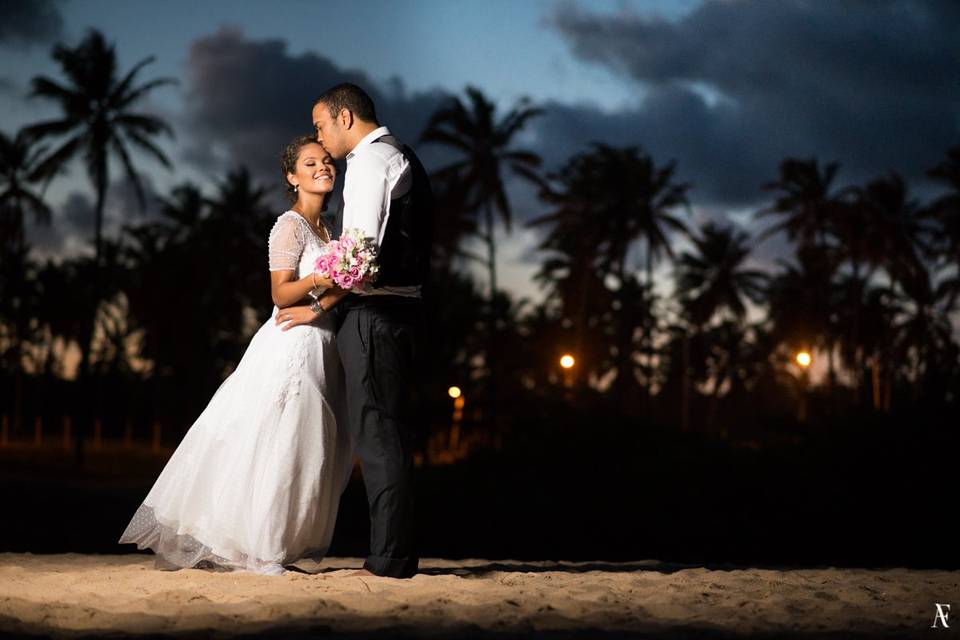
[296,188]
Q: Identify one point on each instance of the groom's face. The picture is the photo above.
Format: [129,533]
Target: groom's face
[330,132]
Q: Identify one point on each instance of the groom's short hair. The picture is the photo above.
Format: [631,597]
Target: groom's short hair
[349,96]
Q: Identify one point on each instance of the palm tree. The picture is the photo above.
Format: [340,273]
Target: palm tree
[453,223]
[924,333]
[183,210]
[891,218]
[239,205]
[98,122]
[606,200]
[484,144]
[635,200]
[877,228]
[573,271]
[714,279]
[945,212]
[806,201]
[208,322]
[804,302]
[20,166]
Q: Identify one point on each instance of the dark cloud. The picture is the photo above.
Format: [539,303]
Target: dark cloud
[27,22]
[734,87]
[247,99]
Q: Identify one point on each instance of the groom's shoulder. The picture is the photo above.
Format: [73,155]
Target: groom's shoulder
[384,155]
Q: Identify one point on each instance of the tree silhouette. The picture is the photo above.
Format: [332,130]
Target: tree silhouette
[218,247]
[924,345]
[20,168]
[944,211]
[803,303]
[573,270]
[805,201]
[878,228]
[714,279]
[483,144]
[606,200]
[97,121]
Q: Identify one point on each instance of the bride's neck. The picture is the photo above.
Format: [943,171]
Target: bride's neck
[309,208]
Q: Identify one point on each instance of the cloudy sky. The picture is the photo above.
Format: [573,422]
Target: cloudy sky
[727,88]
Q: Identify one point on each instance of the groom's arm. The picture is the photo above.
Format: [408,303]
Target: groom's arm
[365,192]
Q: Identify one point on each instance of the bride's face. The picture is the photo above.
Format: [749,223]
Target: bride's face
[315,170]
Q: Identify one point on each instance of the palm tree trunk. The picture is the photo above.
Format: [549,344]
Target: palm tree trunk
[581,319]
[685,390]
[624,341]
[714,409]
[831,370]
[647,329]
[857,351]
[492,315]
[89,324]
[20,331]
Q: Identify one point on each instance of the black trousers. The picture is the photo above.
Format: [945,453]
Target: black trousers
[378,340]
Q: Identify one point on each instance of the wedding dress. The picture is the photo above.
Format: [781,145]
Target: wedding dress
[256,482]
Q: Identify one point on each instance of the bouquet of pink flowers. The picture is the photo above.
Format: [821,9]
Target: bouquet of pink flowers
[350,261]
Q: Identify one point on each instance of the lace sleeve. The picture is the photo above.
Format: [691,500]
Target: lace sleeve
[286,244]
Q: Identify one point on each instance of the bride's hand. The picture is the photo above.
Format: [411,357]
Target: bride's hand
[294,316]
[321,282]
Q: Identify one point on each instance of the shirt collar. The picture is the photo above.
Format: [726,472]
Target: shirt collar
[368,139]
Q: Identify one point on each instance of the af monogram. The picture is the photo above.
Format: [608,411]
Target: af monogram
[943,611]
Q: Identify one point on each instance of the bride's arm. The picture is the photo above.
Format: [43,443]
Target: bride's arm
[287,291]
[293,316]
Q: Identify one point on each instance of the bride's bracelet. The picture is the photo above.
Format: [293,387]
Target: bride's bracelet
[313,279]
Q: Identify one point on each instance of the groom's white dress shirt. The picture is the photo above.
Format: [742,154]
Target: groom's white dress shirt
[376,175]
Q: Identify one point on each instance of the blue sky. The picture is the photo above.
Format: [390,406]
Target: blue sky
[504,46]
[727,88]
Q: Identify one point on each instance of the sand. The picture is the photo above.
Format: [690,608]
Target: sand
[72,595]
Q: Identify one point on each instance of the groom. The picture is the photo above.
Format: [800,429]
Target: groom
[387,195]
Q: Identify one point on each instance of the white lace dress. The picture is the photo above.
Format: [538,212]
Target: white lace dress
[256,482]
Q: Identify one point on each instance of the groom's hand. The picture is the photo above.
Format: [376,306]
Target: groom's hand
[294,316]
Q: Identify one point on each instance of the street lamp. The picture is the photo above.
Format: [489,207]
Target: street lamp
[804,359]
[566,363]
[458,402]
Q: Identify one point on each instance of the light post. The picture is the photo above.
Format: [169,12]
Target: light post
[458,402]
[567,363]
[804,359]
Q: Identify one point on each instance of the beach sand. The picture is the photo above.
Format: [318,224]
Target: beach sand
[73,595]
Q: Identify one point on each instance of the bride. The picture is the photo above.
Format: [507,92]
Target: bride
[256,482]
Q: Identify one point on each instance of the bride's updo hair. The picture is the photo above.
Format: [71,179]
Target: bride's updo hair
[288,163]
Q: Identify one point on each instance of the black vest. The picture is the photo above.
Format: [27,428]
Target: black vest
[404,256]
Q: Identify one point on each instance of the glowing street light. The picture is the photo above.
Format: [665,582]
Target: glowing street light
[803,359]
[456,417]
[567,361]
